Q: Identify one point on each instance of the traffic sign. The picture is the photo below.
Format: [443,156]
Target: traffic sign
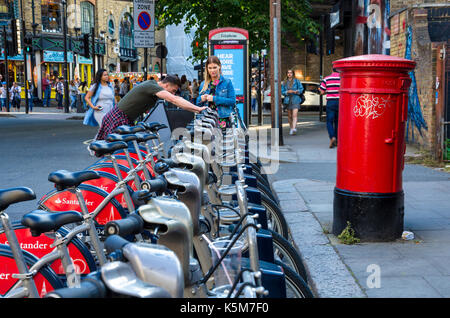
[144,25]
[144,20]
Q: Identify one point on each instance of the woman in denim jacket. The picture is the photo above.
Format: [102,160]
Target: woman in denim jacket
[217,92]
[291,89]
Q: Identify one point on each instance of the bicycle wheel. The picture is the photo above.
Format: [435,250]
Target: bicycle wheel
[286,253]
[296,287]
[267,191]
[45,279]
[275,218]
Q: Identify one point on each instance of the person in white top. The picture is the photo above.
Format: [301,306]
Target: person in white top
[3,97]
[100,96]
[267,100]
[14,95]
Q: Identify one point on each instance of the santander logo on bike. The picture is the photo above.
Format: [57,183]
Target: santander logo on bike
[72,202]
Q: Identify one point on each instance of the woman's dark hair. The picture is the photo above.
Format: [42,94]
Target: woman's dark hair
[98,79]
[83,84]
[183,79]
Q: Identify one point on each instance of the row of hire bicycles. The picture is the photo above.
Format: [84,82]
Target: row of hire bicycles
[144,222]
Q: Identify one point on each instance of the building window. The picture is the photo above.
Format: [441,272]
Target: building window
[87,17]
[126,32]
[111,26]
[51,15]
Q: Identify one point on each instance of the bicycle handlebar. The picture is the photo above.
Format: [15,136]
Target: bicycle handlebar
[114,243]
[89,288]
[131,225]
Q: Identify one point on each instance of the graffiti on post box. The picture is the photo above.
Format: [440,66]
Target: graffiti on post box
[370,106]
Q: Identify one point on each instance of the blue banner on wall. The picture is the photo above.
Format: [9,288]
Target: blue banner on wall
[57,57]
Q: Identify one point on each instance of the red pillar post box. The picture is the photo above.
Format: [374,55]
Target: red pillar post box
[373,110]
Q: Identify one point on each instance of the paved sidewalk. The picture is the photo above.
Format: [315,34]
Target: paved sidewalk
[304,185]
[43,113]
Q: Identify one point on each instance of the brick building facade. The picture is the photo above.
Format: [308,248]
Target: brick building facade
[110,22]
[383,27]
[427,24]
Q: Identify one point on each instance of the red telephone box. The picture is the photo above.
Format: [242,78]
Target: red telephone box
[373,110]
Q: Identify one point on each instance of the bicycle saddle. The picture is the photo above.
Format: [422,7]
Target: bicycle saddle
[125,129]
[118,137]
[64,179]
[103,147]
[153,126]
[142,136]
[40,221]
[14,195]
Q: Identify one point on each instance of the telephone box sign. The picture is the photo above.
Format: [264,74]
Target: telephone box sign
[144,23]
[230,45]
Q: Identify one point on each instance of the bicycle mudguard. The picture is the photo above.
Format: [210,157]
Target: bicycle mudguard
[57,201]
[272,278]
[109,168]
[40,246]
[45,279]
[108,183]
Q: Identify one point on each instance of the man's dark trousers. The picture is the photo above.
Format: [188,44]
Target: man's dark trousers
[332,117]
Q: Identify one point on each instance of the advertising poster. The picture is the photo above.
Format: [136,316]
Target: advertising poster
[232,60]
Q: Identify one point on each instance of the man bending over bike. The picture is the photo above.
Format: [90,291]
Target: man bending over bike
[141,99]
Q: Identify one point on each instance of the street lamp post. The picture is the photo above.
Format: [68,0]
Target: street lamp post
[66,84]
[24,57]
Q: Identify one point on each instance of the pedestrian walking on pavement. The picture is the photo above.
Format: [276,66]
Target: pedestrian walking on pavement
[194,88]
[47,89]
[60,92]
[100,99]
[185,88]
[141,99]
[83,88]
[14,93]
[30,96]
[330,86]
[125,87]
[266,100]
[292,89]
[3,89]
[73,93]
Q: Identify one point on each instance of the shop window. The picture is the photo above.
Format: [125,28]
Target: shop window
[87,17]
[51,15]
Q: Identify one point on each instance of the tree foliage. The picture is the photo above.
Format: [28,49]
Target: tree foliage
[252,15]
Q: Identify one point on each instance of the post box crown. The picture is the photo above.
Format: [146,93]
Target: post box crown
[375,61]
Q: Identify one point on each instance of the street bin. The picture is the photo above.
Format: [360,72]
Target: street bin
[373,110]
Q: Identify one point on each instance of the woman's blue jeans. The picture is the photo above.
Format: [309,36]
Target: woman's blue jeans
[73,101]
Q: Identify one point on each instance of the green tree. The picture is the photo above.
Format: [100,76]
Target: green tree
[252,15]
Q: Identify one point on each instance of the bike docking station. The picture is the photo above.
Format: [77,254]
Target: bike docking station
[373,110]
[230,45]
